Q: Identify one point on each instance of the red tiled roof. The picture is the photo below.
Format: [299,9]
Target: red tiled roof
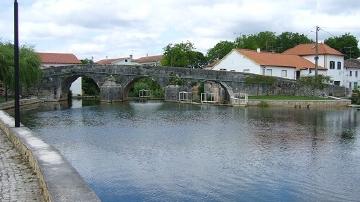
[154,58]
[309,49]
[109,61]
[58,58]
[277,59]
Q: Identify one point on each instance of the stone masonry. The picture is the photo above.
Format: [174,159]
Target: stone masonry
[115,81]
[17,181]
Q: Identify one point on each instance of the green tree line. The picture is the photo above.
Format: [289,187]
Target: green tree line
[185,54]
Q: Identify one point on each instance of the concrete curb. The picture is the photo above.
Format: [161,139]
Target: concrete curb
[58,180]
[23,102]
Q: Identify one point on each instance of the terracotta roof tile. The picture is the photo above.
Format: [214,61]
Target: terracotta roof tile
[58,58]
[154,58]
[277,59]
[309,49]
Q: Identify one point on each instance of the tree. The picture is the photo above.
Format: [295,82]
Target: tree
[86,61]
[182,55]
[288,40]
[220,50]
[263,40]
[30,72]
[347,44]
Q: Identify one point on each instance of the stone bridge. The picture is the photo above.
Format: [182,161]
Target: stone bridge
[115,81]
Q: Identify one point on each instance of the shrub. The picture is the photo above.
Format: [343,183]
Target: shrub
[316,82]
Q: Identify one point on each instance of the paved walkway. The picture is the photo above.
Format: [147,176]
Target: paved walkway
[17,182]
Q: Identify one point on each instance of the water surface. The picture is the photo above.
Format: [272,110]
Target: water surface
[158,151]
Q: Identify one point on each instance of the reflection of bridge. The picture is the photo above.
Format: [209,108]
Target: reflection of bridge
[115,81]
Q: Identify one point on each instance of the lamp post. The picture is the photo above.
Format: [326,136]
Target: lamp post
[16,64]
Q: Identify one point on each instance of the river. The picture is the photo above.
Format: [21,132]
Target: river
[158,151]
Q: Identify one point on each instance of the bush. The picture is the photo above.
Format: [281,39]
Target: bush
[355,97]
[316,82]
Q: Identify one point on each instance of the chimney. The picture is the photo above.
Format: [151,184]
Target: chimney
[131,57]
[258,50]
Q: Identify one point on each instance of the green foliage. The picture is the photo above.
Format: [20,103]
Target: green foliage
[316,82]
[355,97]
[263,40]
[175,79]
[183,55]
[201,88]
[89,87]
[146,84]
[260,79]
[288,40]
[220,50]
[30,72]
[347,44]
[263,104]
[269,41]
[87,61]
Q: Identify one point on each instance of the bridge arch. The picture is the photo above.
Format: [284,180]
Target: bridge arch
[68,81]
[227,89]
[129,84]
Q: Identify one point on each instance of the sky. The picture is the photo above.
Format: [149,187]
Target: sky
[118,28]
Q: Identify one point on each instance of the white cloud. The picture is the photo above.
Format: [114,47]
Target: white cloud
[117,28]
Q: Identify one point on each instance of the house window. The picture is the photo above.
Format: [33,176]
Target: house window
[126,60]
[284,73]
[332,65]
[337,83]
[222,69]
[355,85]
[356,73]
[350,85]
[338,65]
[268,72]
[310,71]
[350,73]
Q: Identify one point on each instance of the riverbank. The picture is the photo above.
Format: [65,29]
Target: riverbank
[23,102]
[63,185]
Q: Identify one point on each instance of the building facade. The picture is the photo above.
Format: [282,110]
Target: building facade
[266,63]
[329,58]
[352,67]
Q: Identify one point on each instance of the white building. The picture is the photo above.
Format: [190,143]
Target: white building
[62,59]
[266,63]
[352,67]
[118,61]
[154,60]
[329,58]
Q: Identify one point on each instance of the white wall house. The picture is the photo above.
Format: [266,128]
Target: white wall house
[265,63]
[352,67]
[62,59]
[118,61]
[154,60]
[329,58]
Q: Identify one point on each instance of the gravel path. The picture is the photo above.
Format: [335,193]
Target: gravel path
[17,181]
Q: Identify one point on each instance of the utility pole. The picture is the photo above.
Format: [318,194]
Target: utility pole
[16,64]
[317,51]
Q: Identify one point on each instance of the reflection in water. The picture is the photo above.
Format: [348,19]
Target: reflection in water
[157,151]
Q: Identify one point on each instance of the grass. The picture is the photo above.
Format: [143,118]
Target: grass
[286,97]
